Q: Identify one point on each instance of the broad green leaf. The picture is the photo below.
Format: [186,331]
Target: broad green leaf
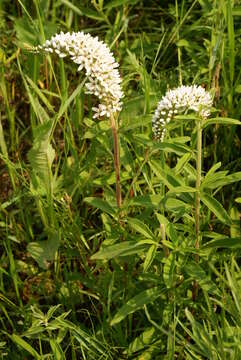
[220,121]
[172,147]
[182,162]
[149,258]
[101,204]
[182,189]
[24,345]
[96,129]
[168,177]
[225,242]
[162,219]
[136,303]
[124,248]
[220,179]
[216,208]
[144,339]
[45,250]
[151,201]
[183,42]
[213,169]
[195,271]
[176,205]
[141,228]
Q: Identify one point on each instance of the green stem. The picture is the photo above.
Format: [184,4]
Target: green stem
[198,183]
[197,204]
[116,159]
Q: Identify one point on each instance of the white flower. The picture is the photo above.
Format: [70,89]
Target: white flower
[179,101]
[100,67]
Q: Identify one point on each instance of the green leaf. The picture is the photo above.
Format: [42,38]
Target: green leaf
[56,349]
[216,208]
[220,121]
[40,94]
[80,10]
[151,201]
[101,204]
[235,230]
[150,256]
[172,147]
[183,42]
[45,250]
[225,242]
[220,179]
[197,273]
[24,345]
[182,189]
[144,339]
[182,162]
[115,3]
[168,270]
[141,228]
[123,249]
[137,302]
[41,157]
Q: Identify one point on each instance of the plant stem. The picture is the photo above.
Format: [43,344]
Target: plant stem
[197,205]
[116,159]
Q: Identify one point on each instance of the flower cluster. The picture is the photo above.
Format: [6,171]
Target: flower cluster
[92,55]
[179,101]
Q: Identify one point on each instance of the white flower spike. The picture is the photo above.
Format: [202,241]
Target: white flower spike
[92,55]
[178,101]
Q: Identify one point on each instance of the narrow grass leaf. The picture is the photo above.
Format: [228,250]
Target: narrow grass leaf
[115,3]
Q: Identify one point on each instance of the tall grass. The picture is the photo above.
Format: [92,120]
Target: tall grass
[80,277]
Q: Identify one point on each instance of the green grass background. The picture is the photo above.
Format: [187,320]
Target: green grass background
[80,279]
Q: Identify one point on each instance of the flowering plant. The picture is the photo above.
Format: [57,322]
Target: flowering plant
[103,79]
[179,101]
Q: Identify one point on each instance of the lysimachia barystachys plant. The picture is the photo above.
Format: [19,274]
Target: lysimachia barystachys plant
[179,101]
[103,78]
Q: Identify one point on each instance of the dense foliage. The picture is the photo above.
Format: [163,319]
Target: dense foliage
[146,266]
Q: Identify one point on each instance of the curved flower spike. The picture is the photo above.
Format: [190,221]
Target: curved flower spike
[92,55]
[178,101]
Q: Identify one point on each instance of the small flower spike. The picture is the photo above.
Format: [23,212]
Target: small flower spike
[179,101]
[92,55]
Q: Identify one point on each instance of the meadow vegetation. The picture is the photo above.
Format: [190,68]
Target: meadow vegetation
[113,244]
